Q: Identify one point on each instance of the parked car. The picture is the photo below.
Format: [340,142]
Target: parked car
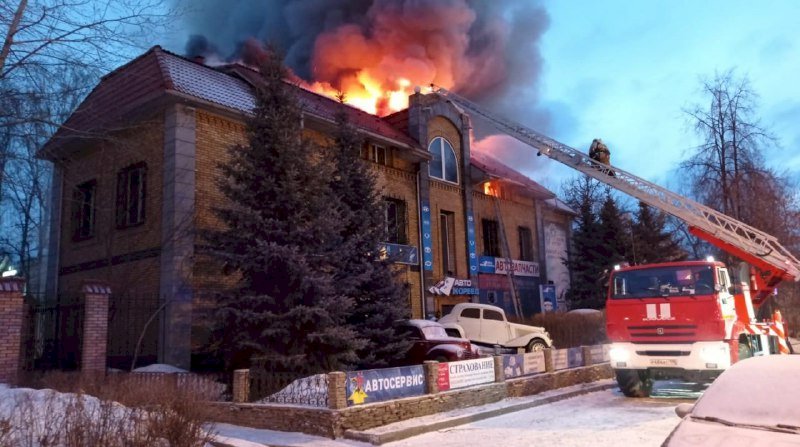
[431,342]
[754,402]
[486,325]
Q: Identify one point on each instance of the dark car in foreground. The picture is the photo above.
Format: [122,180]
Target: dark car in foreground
[754,402]
[431,342]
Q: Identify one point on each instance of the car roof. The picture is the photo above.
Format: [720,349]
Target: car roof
[760,390]
[418,323]
[477,305]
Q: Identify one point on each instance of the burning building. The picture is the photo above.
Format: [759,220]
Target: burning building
[135,183]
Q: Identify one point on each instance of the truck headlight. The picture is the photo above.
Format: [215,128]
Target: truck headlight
[619,354]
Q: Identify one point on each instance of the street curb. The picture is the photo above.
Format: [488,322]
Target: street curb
[403,433]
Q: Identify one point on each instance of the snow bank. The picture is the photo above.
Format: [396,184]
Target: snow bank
[160,368]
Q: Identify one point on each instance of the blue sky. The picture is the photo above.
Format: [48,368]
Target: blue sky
[624,71]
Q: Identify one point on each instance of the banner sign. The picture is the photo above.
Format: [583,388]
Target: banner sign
[398,253]
[376,385]
[473,254]
[427,240]
[453,286]
[518,365]
[547,296]
[567,358]
[465,373]
[500,266]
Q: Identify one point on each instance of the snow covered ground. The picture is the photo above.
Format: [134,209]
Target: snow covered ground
[604,418]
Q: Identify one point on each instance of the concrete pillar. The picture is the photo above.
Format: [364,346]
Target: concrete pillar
[499,374]
[241,386]
[586,351]
[95,327]
[11,312]
[548,360]
[431,368]
[337,391]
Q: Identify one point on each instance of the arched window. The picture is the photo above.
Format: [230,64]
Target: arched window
[444,165]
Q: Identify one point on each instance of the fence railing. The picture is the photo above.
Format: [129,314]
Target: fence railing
[209,387]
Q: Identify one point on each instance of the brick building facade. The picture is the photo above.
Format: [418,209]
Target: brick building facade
[135,176]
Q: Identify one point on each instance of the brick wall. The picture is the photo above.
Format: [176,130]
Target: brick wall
[95,327]
[11,312]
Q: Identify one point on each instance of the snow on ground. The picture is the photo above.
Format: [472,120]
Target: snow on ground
[159,368]
[603,418]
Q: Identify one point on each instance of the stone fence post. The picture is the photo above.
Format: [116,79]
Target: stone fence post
[95,327]
[586,352]
[11,314]
[431,368]
[241,386]
[548,360]
[499,374]
[337,391]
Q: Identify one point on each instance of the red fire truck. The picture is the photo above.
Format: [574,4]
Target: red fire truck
[687,319]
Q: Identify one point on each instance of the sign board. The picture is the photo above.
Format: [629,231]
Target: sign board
[453,286]
[465,373]
[534,363]
[376,385]
[500,266]
[567,358]
[427,237]
[517,365]
[597,354]
[399,254]
[471,247]
[547,296]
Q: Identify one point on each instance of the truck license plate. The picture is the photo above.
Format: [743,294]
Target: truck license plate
[664,362]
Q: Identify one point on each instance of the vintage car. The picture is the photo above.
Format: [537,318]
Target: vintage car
[431,342]
[486,325]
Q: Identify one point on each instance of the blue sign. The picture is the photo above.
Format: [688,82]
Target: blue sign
[547,293]
[399,254]
[486,264]
[377,385]
[427,238]
[574,357]
[473,255]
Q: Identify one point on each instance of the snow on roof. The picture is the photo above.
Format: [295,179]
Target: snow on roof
[159,368]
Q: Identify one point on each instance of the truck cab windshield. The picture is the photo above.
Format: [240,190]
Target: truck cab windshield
[663,282]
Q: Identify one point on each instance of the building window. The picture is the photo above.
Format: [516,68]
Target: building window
[375,153]
[448,242]
[444,165]
[131,193]
[83,210]
[525,244]
[395,221]
[491,238]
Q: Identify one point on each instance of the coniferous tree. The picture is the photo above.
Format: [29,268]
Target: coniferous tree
[282,228]
[612,234]
[651,240]
[586,261]
[380,298]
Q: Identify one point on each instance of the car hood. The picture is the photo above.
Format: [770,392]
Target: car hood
[691,433]
[448,340]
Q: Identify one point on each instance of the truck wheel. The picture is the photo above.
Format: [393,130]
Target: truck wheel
[634,383]
[535,345]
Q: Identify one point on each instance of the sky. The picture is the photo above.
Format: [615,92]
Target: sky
[623,71]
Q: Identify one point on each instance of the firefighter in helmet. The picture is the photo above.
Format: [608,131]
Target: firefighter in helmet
[599,152]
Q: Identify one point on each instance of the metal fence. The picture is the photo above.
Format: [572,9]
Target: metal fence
[212,387]
[128,315]
[288,388]
[53,332]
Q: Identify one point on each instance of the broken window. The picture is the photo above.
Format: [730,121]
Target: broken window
[83,210]
[131,193]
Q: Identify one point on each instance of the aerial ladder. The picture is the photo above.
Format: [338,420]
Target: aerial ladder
[773,262]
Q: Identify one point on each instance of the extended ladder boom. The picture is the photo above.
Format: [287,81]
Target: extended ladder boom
[750,242]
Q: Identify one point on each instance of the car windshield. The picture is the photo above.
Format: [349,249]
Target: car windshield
[663,282]
[433,332]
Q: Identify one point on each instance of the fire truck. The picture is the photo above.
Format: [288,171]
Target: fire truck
[688,319]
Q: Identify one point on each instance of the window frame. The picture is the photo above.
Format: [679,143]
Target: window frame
[395,233]
[125,196]
[443,159]
[491,239]
[526,251]
[376,153]
[447,242]
[84,210]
